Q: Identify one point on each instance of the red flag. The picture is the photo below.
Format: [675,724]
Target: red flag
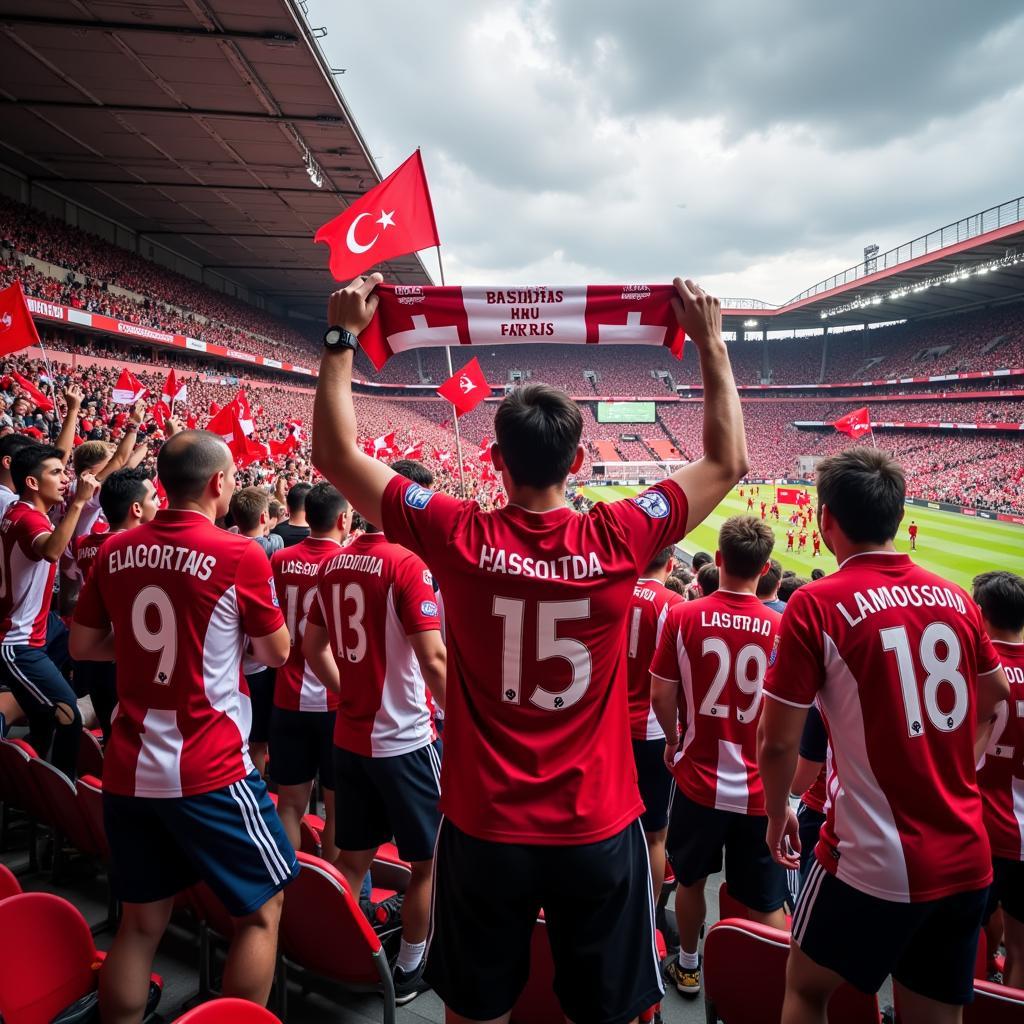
[214,408]
[392,219]
[282,448]
[240,403]
[484,455]
[173,391]
[414,451]
[129,389]
[245,449]
[17,329]
[466,389]
[160,412]
[383,445]
[191,421]
[856,423]
[788,495]
[34,393]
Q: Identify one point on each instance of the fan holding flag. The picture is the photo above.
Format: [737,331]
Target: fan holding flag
[856,424]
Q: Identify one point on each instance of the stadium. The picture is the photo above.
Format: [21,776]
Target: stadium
[163,169]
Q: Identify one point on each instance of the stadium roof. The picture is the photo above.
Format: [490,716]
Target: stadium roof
[975,261]
[199,123]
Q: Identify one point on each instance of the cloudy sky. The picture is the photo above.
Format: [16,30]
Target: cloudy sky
[756,146]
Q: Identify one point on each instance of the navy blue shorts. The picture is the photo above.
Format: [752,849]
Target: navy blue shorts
[302,747]
[600,922]
[929,947]
[380,798]
[1007,889]
[230,838]
[698,834]
[261,694]
[655,782]
[34,679]
[810,826]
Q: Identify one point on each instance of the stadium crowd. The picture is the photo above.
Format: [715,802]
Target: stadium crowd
[634,727]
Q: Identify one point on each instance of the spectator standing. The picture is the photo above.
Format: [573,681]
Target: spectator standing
[295,528]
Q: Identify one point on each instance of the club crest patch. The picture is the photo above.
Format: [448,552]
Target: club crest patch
[418,497]
[654,504]
[428,608]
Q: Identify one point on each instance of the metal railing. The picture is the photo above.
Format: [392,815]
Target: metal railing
[994,217]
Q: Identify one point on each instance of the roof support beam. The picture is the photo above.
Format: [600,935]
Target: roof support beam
[283,39]
[327,120]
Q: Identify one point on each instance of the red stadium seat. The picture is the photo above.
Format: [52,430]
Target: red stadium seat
[48,960]
[9,884]
[745,978]
[325,934]
[729,906]
[90,801]
[228,1011]
[90,755]
[995,1004]
[66,815]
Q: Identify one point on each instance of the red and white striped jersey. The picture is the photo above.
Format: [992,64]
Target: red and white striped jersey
[27,580]
[1001,772]
[892,653]
[718,649]
[182,597]
[296,687]
[372,596]
[645,620]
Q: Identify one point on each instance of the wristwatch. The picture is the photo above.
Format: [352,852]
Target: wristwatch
[337,338]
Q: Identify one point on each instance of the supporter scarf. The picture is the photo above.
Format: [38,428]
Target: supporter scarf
[410,316]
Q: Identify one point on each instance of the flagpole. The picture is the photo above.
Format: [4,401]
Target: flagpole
[455,412]
[54,429]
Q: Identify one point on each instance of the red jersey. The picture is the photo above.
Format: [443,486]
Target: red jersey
[1001,772]
[537,746]
[646,619]
[181,596]
[296,687]
[26,585]
[87,548]
[372,596]
[912,529]
[892,654]
[718,649]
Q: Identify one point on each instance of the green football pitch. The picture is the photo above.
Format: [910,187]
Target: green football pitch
[956,547]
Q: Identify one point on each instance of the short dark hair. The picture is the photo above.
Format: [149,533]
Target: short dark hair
[675,584]
[817,574]
[120,491]
[1000,595]
[746,544]
[28,461]
[324,503]
[707,579]
[188,460]
[864,489]
[414,471]
[247,505]
[538,430]
[789,586]
[769,582]
[661,559]
[11,443]
[296,497]
[701,558]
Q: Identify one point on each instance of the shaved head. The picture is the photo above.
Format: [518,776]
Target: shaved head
[187,462]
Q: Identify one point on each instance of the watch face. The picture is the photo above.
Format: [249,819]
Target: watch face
[332,336]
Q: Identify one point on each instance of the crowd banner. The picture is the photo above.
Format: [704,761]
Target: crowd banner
[410,317]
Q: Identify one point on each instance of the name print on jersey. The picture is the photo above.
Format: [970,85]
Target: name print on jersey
[880,598]
[163,556]
[568,567]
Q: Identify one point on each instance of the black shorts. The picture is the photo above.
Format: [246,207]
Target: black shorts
[655,782]
[696,838]
[600,920]
[302,747]
[261,695]
[1007,889]
[810,826]
[929,948]
[380,798]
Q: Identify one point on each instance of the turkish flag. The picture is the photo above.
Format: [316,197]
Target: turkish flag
[466,389]
[392,219]
[129,389]
[856,423]
[17,329]
[42,402]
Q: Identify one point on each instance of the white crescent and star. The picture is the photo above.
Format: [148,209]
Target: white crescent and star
[386,220]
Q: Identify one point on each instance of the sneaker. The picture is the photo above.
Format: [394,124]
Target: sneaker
[687,982]
[386,915]
[409,984]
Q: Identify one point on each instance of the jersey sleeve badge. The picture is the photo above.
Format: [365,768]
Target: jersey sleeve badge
[418,497]
[654,504]
[273,593]
[428,608]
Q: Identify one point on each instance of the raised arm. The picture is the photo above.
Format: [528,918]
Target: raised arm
[336,452]
[68,429]
[708,480]
[126,445]
[50,546]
